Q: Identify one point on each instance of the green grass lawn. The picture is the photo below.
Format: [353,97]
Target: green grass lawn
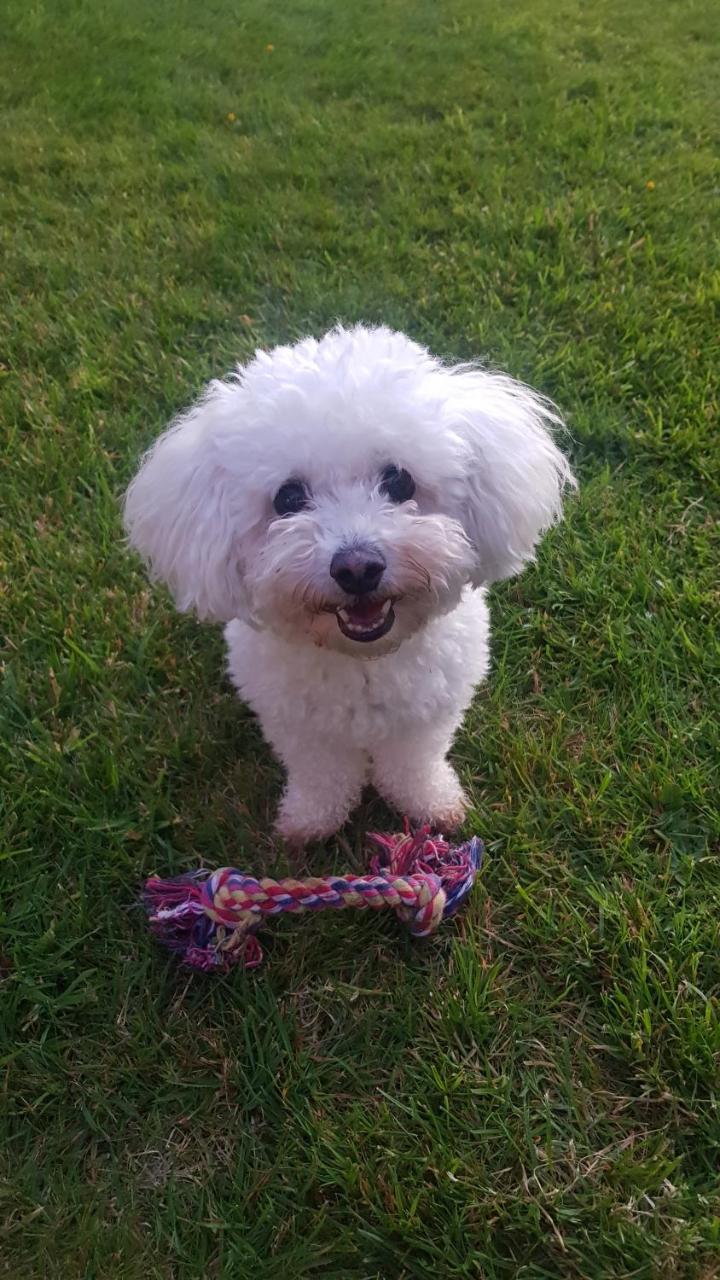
[534,1093]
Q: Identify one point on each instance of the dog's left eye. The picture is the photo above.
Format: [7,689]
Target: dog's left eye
[291,497]
[397,484]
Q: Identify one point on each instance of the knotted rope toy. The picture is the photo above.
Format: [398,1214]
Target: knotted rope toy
[209,918]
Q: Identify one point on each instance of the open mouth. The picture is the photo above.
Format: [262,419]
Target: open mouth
[366,619]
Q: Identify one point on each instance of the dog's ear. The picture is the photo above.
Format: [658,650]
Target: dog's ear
[516,474]
[184,515]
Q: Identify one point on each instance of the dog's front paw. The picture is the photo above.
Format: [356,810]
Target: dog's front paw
[302,819]
[444,808]
[446,818]
[428,790]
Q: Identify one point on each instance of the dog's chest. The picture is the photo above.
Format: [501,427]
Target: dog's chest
[429,680]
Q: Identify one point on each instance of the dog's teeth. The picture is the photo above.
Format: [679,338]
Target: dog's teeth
[365,628]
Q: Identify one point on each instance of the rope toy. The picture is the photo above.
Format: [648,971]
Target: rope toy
[209,918]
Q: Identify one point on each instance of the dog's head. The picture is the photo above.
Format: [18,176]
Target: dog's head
[344,491]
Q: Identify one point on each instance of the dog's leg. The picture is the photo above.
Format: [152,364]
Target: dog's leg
[414,776]
[324,784]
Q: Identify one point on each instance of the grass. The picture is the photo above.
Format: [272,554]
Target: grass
[535,1093]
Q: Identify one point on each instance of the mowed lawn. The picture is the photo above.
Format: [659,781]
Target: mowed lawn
[534,1093]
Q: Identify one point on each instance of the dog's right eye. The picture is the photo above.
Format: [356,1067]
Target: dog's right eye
[291,497]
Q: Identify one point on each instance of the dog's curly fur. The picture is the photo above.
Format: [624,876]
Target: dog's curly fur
[340,707]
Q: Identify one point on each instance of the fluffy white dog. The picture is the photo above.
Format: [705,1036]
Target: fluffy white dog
[342,504]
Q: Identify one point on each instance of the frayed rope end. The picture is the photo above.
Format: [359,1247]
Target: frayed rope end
[177,914]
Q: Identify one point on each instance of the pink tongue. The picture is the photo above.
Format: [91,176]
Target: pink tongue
[365,612]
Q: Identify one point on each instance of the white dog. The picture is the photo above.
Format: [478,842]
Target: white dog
[342,505]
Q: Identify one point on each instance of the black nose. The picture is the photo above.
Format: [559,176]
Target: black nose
[357,570]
